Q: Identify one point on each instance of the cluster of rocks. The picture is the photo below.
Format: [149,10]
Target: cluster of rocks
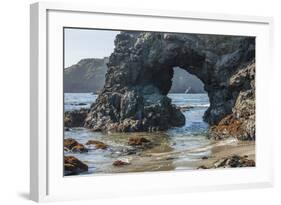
[75,118]
[138,144]
[235,161]
[73,166]
[71,145]
[139,77]
[231,162]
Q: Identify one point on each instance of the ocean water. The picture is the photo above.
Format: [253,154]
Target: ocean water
[176,149]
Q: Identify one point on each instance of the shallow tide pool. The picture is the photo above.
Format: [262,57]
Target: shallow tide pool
[175,149]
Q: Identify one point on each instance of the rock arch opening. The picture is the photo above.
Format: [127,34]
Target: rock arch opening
[140,72]
[184,82]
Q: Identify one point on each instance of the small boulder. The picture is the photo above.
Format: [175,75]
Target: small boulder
[119,163]
[79,148]
[138,141]
[249,163]
[69,143]
[202,167]
[73,166]
[97,144]
[73,146]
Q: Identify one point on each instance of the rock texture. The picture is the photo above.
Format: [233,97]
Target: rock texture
[232,161]
[138,141]
[88,75]
[75,118]
[73,166]
[235,161]
[97,144]
[140,72]
[241,122]
[119,163]
[72,145]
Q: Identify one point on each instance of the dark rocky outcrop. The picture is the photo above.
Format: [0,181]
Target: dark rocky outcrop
[241,122]
[140,72]
[75,118]
[73,166]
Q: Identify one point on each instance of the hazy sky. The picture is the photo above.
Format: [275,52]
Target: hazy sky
[87,43]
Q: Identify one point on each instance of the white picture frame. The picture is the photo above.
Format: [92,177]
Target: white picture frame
[46,163]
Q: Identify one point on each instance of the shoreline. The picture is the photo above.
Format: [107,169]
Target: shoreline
[161,158]
[167,153]
[170,161]
[220,151]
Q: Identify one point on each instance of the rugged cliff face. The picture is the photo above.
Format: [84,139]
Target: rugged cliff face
[241,122]
[140,72]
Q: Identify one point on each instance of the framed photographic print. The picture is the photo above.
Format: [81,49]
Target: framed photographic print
[127,102]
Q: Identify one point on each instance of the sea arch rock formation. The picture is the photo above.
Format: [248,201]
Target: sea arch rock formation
[140,72]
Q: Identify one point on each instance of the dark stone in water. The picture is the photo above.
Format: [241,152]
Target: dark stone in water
[75,118]
[73,166]
[97,144]
[137,141]
[119,163]
[170,158]
[79,148]
[73,146]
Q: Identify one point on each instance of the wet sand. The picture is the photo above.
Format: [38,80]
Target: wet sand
[220,151]
[167,159]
